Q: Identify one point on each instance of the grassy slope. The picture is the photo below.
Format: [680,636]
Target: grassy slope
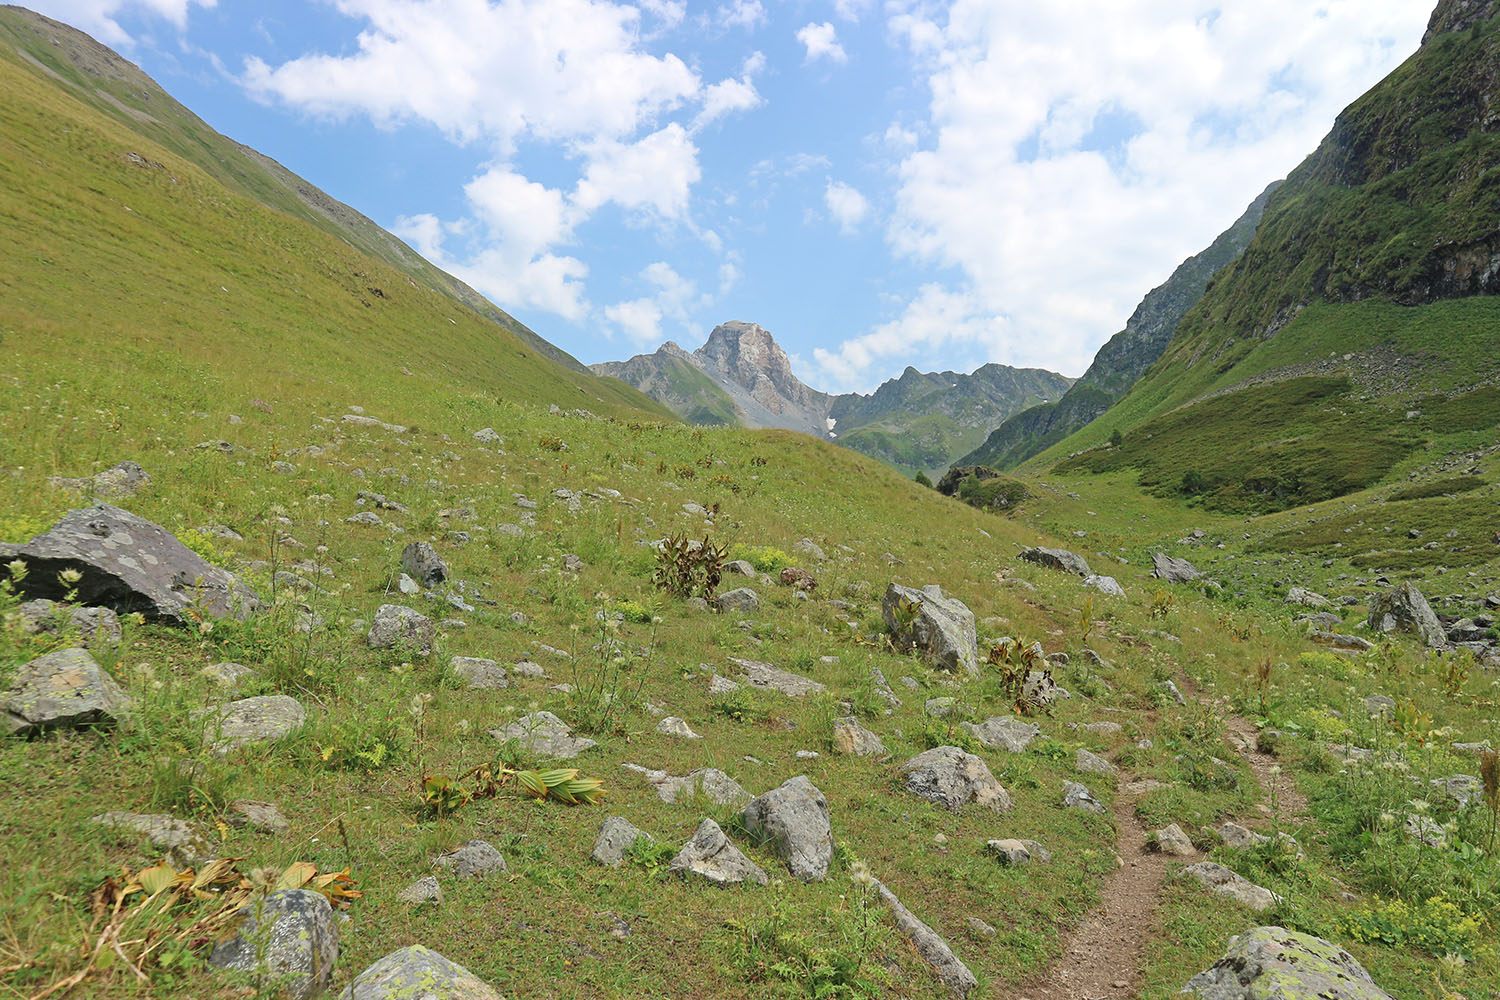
[1363,226]
[137,334]
[116,88]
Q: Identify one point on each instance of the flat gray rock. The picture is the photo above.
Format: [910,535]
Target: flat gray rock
[709,854]
[417,973]
[1009,852]
[227,675]
[423,890]
[1003,733]
[719,787]
[673,726]
[616,835]
[1059,559]
[1306,598]
[263,817]
[1223,882]
[1105,585]
[1092,763]
[742,600]
[129,564]
[123,479]
[183,844]
[291,936]
[766,677]
[1171,840]
[949,777]
[953,973]
[1273,963]
[545,735]
[251,720]
[794,818]
[62,690]
[942,631]
[478,673]
[403,629]
[471,859]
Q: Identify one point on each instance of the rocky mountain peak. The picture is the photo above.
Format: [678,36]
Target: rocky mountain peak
[745,350]
[1459,15]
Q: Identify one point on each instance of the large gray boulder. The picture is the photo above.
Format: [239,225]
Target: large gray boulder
[417,973]
[1164,567]
[65,689]
[420,561]
[123,479]
[710,855]
[849,737]
[1222,881]
[951,778]
[545,735]
[1406,610]
[471,859]
[766,677]
[951,970]
[616,836]
[289,936]
[943,630]
[1273,963]
[252,720]
[1059,559]
[742,601]
[128,564]
[401,628]
[794,818]
[478,673]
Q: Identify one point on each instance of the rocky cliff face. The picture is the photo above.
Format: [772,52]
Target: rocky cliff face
[1459,15]
[1125,357]
[745,361]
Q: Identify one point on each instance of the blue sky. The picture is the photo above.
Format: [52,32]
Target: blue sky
[877,183]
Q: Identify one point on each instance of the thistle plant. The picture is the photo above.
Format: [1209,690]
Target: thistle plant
[1489,777]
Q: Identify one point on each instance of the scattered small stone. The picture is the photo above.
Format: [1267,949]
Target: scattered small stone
[479,674]
[545,735]
[1076,796]
[471,859]
[423,890]
[616,835]
[673,726]
[765,676]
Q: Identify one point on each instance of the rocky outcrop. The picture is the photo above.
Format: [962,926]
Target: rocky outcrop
[128,564]
[1269,962]
[1459,15]
[710,855]
[1059,559]
[940,628]
[950,969]
[949,777]
[1172,570]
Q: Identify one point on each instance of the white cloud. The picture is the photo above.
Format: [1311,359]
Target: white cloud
[852,10]
[1081,151]
[847,206]
[727,97]
[821,42]
[673,297]
[656,173]
[97,17]
[745,14]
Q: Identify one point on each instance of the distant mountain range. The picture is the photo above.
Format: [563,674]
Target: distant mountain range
[918,422]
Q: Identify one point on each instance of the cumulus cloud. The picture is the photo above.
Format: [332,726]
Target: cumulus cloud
[1081,152]
[847,206]
[821,42]
[97,17]
[570,74]
[746,14]
[672,296]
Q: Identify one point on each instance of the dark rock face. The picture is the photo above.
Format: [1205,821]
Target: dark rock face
[1059,559]
[794,818]
[1406,610]
[959,474]
[129,564]
[1459,15]
[421,562]
[1164,567]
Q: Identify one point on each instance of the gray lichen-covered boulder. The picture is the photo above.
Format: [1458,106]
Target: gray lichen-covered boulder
[420,561]
[1406,610]
[123,479]
[951,778]
[616,835]
[710,855]
[1164,567]
[403,629]
[178,839]
[128,564]
[950,969]
[1003,733]
[942,629]
[1273,963]
[252,720]
[1059,559]
[1076,796]
[794,819]
[289,936]
[741,600]
[65,689]
[545,735]
[478,673]
[417,973]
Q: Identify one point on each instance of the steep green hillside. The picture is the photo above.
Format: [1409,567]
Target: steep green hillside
[113,240]
[115,87]
[1124,358]
[1359,321]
